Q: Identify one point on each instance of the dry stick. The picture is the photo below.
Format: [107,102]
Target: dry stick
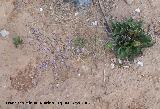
[107,29]
[105,19]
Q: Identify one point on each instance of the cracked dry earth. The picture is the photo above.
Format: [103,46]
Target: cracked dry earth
[46,68]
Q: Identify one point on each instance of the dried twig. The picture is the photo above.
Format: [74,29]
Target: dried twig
[105,19]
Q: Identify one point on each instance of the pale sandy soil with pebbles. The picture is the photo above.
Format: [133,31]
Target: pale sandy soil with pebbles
[45,68]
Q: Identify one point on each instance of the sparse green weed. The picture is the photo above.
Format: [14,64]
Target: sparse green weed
[128,39]
[17,41]
[79,42]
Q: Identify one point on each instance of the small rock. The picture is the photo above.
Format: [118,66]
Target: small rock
[76,13]
[50,7]
[142,75]
[57,85]
[129,2]
[67,95]
[140,63]
[40,9]
[4,33]
[125,66]
[95,23]
[112,66]
[79,74]
[138,10]
[119,61]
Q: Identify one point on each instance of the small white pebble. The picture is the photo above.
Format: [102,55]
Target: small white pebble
[32,77]
[87,20]
[138,10]
[40,9]
[142,75]
[140,63]
[76,13]
[4,33]
[50,7]
[67,95]
[119,61]
[112,66]
[79,74]
[57,85]
[95,23]
[126,66]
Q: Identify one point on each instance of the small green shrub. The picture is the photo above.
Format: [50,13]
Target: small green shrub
[79,42]
[128,38]
[17,41]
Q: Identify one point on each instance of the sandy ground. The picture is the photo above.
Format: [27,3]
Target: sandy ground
[45,68]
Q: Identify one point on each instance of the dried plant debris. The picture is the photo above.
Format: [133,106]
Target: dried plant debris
[25,79]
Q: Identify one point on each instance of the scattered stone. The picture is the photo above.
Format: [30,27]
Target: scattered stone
[40,9]
[79,74]
[138,10]
[119,61]
[140,63]
[67,95]
[76,13]
[57,85]
[125,66]
[112,66]
[129,2]
[95,23]
[4,33]
[50,7]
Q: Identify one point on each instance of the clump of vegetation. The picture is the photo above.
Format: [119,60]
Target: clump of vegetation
[17,41]
[128,39]
[79,42]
